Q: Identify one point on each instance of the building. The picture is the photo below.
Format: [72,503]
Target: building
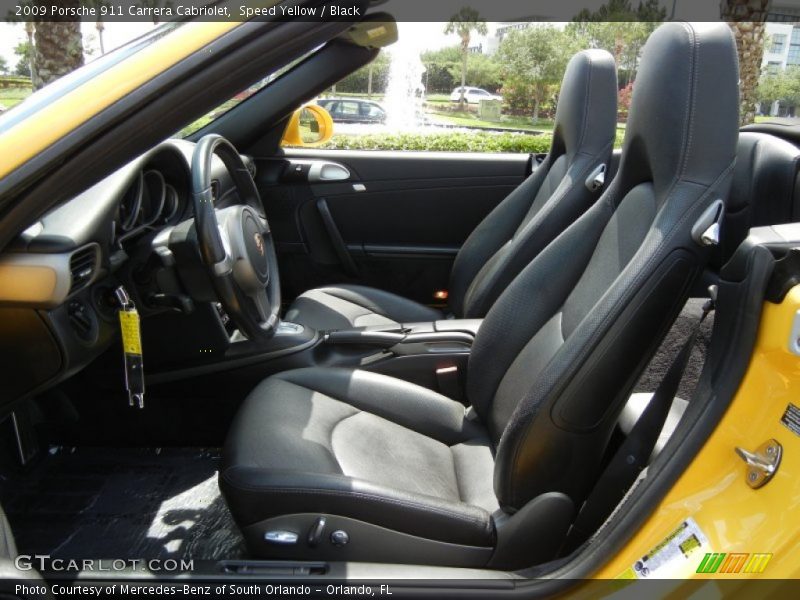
[783,46]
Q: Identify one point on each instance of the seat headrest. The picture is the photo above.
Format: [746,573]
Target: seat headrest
[586,117]
[766,169]
[683,119]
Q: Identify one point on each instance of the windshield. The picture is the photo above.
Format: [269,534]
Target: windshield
[243,95]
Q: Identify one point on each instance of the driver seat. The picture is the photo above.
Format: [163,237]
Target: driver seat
[551,198]
[341,464]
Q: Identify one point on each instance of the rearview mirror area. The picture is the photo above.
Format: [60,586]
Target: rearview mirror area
[310,126]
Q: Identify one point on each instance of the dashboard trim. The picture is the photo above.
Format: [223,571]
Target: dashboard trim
[42,280]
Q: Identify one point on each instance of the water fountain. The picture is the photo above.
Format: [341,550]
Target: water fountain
[405,92]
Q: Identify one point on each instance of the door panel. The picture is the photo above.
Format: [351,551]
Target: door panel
[396,222]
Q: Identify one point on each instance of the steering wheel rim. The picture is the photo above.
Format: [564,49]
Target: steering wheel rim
[235,243]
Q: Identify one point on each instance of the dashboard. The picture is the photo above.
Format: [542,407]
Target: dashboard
[57,278]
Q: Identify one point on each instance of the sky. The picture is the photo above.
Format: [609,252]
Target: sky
[115,35]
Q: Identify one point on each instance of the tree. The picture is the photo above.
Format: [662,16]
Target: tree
[98,5]
[462,24]
[3,66]
[482,71]
[24,52]
[30,68]
[533,62]
[747,20]
[359,81]
[156,4]
[783,86]
[620,29]
[57,48]
[439,65]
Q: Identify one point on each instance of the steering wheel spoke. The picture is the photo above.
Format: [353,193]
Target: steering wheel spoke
[236,243]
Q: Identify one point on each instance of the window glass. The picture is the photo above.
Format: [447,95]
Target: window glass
[794,48]
[778,43]
[348,108]
[412,90]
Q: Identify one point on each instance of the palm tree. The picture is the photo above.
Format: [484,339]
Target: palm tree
[99,25]
[57,49]
[156,4]
[747,20]
[463,23]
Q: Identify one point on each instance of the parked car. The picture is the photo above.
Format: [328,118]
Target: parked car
[353,110]
[473,95]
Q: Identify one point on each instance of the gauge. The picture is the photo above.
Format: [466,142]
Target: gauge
[153,194]
[130,205]
[172,206]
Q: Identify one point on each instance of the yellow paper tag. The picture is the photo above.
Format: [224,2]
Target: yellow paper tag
[129,325]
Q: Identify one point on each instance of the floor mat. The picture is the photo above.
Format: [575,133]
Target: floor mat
[122,503]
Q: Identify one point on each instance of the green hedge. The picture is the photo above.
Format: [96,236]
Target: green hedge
[474,141]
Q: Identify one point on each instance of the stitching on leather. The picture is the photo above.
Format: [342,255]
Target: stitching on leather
[585,121]
[371,497]
[694,70]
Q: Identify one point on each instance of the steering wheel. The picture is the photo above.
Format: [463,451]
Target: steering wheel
[235,243]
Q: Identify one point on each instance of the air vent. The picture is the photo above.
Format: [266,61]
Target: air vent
[82,266]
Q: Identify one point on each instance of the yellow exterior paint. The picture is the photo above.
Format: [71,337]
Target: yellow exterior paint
[56,120]
[293,136]
[713,492]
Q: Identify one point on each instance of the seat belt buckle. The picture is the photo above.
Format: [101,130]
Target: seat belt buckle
[449,382]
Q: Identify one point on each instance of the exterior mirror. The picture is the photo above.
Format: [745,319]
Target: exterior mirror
[310,125]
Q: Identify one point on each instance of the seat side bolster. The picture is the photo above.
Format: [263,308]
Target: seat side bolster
[255,494]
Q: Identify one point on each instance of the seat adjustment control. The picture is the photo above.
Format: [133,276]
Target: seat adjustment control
[339,538]
[316,531]
[281,537]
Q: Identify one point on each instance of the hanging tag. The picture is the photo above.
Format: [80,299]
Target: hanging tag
[131,347]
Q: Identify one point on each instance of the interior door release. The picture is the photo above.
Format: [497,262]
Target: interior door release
[321,171]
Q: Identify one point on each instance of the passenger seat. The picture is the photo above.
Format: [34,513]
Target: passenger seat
[558,191]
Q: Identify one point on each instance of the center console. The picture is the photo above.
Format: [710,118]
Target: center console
[432,354]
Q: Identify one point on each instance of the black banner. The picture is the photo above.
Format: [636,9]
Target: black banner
[401,10]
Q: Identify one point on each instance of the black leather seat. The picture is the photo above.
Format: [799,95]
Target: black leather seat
[765,190]
[514,232]
[407,475]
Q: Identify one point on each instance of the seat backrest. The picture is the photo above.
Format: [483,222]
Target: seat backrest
[552,197]
[558,354]
[765,190]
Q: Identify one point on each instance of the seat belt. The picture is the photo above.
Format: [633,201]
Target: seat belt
[632,456]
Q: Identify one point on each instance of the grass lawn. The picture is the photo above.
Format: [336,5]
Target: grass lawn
[472,120]
[375,97]
[10,97]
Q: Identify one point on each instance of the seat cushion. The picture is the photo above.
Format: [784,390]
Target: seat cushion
[348,306]
[364,446]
